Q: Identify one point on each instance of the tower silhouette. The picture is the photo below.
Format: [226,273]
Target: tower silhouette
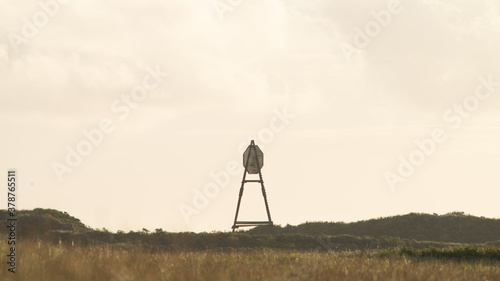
[253,160]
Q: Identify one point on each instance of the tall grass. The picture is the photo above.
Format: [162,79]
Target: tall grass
[40,261]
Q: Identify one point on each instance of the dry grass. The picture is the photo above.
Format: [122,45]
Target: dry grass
[44,262]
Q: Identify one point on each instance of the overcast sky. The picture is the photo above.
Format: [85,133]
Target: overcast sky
[132,114]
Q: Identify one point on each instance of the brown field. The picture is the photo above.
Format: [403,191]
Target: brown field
[43,262]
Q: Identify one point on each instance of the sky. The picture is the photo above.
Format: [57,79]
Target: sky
[135,114]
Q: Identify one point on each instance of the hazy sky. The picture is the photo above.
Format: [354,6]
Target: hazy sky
[132,114]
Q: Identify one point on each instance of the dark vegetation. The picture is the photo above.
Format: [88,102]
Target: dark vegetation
[432,234]
[459,254]
[455,227]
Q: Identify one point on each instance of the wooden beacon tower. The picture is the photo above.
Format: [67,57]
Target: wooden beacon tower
[253,160]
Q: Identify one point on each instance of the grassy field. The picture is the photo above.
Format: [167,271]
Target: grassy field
[45,262]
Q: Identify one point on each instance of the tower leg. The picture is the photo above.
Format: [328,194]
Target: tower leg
[267,205]
[238,206]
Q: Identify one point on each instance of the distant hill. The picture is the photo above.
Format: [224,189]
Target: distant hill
[38,222]
[455,227]
[411,230]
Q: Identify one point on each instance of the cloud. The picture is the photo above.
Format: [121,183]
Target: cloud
[264,54]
